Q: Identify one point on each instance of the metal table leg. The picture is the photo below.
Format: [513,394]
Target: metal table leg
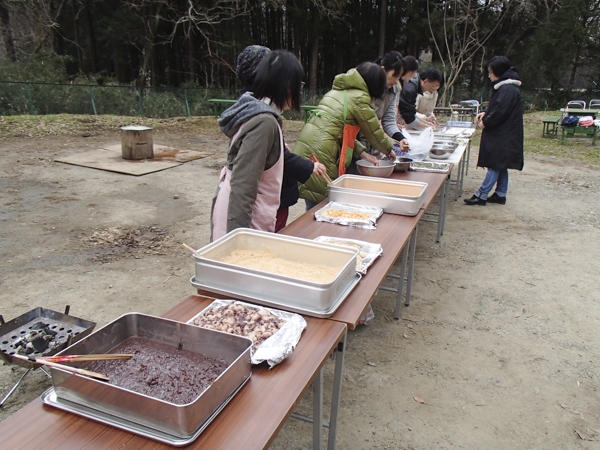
[446,197]
[318,411]
[337,391]
[462,176]
[400,289]
[468,157]
[457,181]
[411,265]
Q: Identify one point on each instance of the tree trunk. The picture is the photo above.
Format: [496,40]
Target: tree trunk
[91,40]
[136,142]
[314,57]
[382,17]
[6,32]
[77,42]
[190,55]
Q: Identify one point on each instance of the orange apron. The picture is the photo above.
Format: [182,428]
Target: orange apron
[348,138]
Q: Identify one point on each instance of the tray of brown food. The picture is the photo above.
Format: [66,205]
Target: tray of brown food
[282,272]
[362,216]
[367,251]
[179,377]
[274,333]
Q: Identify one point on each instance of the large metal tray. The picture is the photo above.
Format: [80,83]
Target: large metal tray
[180,421]
[282,302]
[287,293]
[50,398]
[393,196]
[69,329]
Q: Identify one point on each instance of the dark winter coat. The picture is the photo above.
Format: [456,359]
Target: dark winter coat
[501,144]
[296,170]
[407,103]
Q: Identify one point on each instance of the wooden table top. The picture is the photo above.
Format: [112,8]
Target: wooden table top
[251,420]
[392,232]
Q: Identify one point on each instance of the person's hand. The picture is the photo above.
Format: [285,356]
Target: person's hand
[391,156]
[480,124]
[369,158]
[319,170]
[480,117]
[431,119]
[404,145]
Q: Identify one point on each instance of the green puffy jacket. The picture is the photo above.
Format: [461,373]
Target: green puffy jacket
[322,134]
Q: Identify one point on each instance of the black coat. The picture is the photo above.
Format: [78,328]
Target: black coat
[407,104]
[295,169]
[501,144]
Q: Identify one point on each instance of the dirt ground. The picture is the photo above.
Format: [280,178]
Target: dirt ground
[498,349]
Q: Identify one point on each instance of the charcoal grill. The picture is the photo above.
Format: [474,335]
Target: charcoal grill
[68,329]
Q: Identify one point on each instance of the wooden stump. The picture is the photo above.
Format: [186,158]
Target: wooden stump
[136,142]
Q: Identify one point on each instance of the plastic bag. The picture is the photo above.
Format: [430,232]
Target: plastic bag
[420,145]
[570,121]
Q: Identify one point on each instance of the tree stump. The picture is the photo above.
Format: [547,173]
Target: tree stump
[136,142]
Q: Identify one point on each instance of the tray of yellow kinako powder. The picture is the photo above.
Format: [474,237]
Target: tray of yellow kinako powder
[285,272]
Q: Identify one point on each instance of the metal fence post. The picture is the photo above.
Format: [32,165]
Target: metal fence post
[29,98]
[187,105]
[92,99]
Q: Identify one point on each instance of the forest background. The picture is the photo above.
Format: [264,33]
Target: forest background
[149,44]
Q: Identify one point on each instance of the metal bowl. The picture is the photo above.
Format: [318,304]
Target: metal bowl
[442,150]
[402,164]
[383,170]
[445,143]
[444,155]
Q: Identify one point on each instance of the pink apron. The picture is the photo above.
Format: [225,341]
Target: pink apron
[264,210]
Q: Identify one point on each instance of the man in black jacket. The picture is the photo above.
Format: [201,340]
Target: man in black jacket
[431,81]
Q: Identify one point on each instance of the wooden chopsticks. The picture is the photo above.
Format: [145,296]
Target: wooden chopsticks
[80,358]
[314,159]
[87,373]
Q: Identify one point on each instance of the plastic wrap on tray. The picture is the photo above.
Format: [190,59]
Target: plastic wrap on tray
[348,214]
[367,252]
[427,166]
[272,349]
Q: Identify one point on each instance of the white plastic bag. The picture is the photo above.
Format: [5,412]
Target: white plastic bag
[420,145]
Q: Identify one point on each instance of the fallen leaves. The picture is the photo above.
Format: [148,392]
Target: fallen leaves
[590,436]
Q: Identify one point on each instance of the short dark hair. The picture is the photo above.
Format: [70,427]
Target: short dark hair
[374,77]
[391,61]
[498,64]
[279,77]
[410,64]
[432,75]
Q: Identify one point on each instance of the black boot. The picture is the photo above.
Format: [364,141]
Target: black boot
[475,201]
[495,198]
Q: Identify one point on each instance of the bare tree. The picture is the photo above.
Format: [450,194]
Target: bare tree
[462,34]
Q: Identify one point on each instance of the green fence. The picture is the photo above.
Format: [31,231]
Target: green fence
[158,102]
[162,102]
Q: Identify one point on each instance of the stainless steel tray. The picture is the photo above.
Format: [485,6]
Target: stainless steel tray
[50,398]
[291,294]
[181,420]
[393,196]
[281,304]
[428,166]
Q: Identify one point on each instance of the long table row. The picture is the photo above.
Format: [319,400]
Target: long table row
[259,410]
